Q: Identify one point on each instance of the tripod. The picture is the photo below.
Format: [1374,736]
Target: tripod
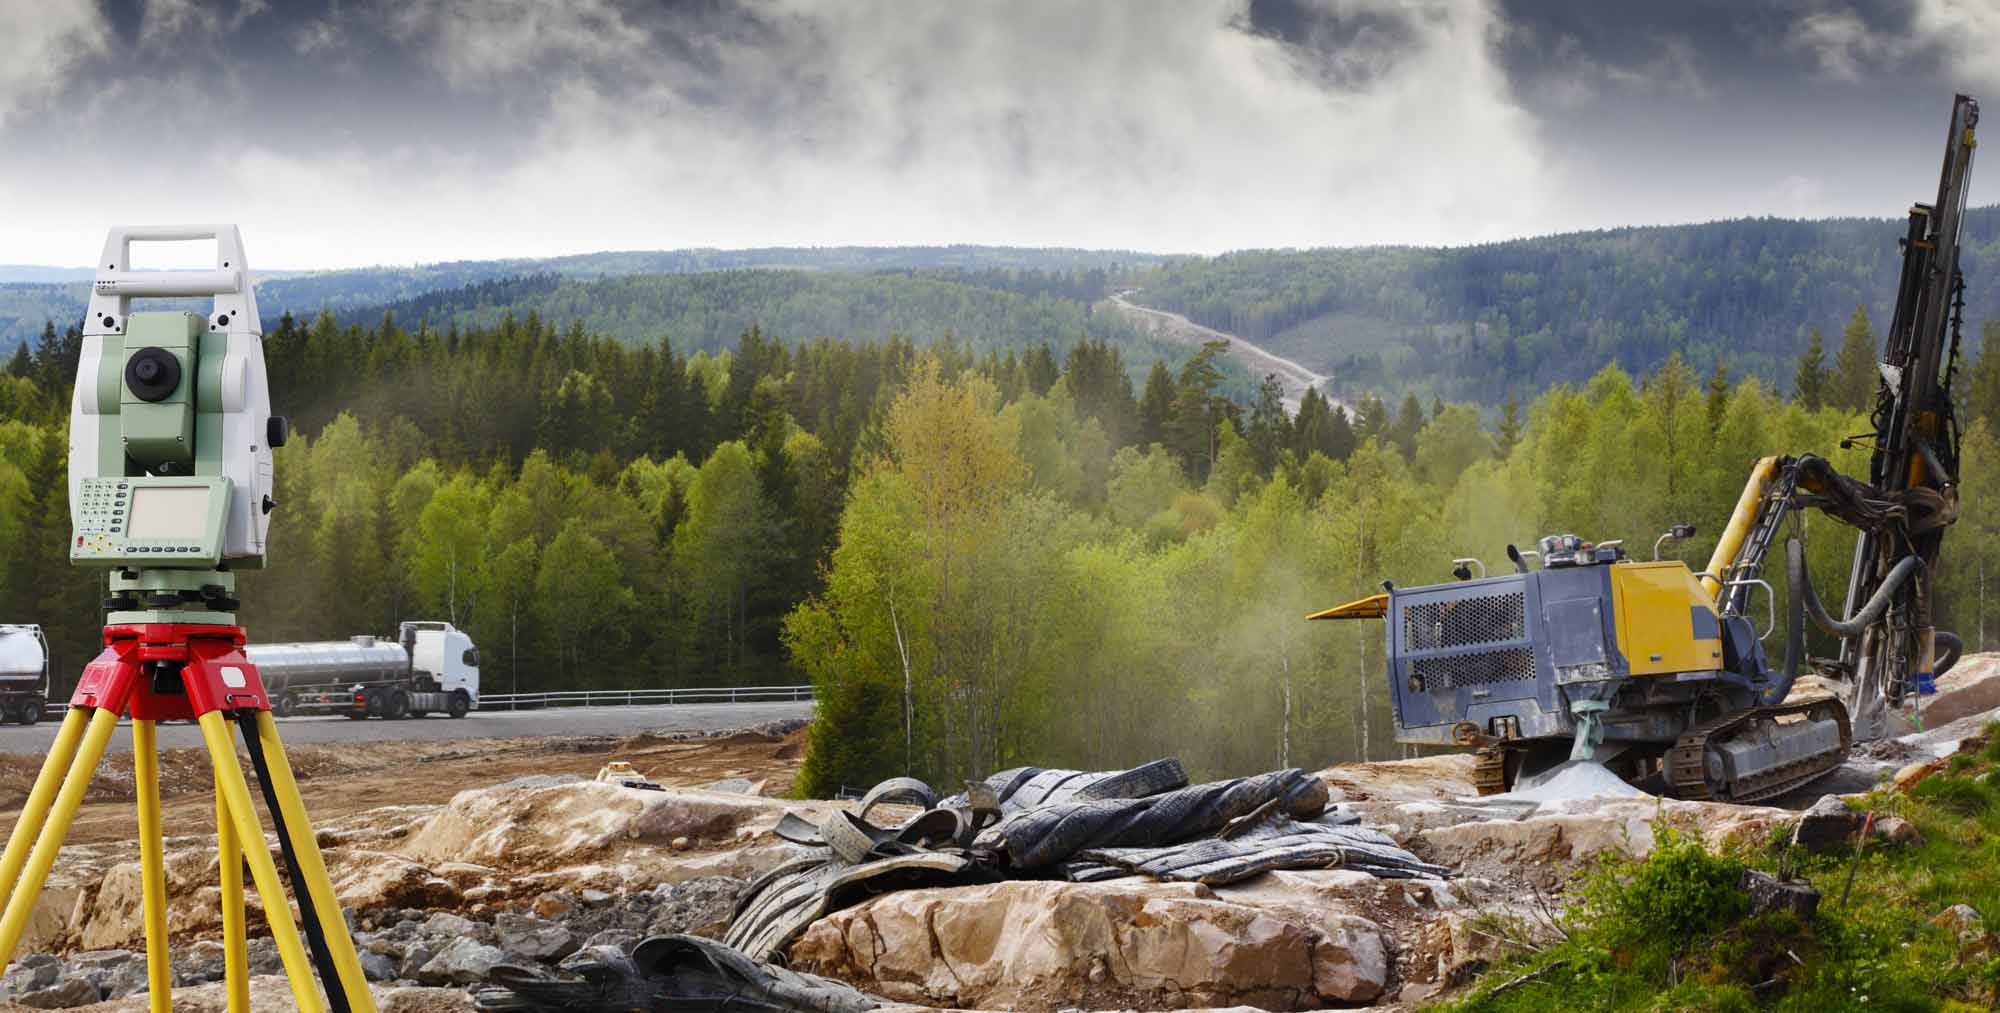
[180,671]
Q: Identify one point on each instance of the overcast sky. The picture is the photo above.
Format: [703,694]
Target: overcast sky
[349,132]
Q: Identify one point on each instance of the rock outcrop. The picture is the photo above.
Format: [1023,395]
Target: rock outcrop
[1286,940]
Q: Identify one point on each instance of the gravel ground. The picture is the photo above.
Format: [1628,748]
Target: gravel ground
[560,721]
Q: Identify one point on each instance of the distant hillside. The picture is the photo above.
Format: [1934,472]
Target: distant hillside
[29,296]
[1472,322]
[33,274]
[709,312]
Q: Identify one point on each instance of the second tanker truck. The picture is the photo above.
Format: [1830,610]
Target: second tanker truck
[24,673]
[429,668]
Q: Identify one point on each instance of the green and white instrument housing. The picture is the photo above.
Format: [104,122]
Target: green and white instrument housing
[171,433]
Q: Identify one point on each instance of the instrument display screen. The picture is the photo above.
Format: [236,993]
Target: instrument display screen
[168,511]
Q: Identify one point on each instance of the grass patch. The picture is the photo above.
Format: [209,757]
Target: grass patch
[1669,932]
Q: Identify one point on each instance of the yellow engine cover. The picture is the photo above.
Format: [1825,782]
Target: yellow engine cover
[1659,631]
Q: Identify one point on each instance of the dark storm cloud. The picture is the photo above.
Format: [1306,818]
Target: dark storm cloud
[1346,47]
[364,130]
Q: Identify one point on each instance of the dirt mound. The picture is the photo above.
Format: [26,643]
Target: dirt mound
[793,746]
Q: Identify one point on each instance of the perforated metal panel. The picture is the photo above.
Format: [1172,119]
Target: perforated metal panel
[1465,622]
[1483,668]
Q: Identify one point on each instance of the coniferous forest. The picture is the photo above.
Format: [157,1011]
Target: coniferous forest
[1052,559]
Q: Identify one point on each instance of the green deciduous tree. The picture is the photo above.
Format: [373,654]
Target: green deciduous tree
[580,598]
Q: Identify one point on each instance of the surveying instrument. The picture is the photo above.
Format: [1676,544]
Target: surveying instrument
[171,434]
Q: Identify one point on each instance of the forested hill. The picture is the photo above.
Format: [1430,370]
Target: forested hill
[31,296]
[1475,322]
[997,310]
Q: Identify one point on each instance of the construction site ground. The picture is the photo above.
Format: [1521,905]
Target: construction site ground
[359,776]
[487,724]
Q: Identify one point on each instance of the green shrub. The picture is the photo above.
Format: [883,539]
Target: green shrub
[1680,891]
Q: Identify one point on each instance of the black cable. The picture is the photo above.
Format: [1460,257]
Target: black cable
[329,972]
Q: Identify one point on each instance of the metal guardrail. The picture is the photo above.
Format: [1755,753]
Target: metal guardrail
[618,697]
[630,697]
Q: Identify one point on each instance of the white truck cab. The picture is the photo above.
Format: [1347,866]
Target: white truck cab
[445,655]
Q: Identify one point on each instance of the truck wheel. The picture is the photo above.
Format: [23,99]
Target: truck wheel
[284,706]
[357,715]
[459,705]
[398,706]
[31,711]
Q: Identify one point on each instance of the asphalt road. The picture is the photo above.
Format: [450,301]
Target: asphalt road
[555,721]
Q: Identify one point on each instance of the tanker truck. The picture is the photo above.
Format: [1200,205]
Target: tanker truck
[429,668]
[24,674]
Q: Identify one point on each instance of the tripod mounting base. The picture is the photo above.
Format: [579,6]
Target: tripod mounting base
[171,672]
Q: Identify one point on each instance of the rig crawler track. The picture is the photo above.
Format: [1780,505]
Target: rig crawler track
[1687,766]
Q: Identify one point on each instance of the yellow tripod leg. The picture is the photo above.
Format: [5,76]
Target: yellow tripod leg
[49,840]
[152,866]
[313,868]
[250,833]
[235,952]
[36,809]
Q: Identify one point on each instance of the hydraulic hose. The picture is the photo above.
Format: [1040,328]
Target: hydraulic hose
[1869,613]
[1949,648]
[1804,602]
[1795,647]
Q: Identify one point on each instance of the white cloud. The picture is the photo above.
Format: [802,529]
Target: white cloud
[1108,124]
[319,35]
[1964,34]
[1798,196]
[41,41]
[1038,123]
[1969,32]
[475,41]
[1841,43]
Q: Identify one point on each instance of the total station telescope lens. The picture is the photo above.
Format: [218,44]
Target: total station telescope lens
[153,374]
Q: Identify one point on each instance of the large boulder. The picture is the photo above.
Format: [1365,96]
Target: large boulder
[464,961]
[1554,839]
[585,835]
[115,915]
[1971,687]
[1285,940]
[526,937]
[66,993]
[368,880]
[1443,777]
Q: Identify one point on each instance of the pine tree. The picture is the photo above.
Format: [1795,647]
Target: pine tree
[1508,434]
[21,365]
[1855,377]
[49,375]
[1039,367]
[1718,394]
[1156,405]
[1409,422]
[1981,388]
[1371,420]
[1809,380]
[1197,406]
[1268,425]
[1340,440]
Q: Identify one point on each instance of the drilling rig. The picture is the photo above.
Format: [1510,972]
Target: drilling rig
[1658,671]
